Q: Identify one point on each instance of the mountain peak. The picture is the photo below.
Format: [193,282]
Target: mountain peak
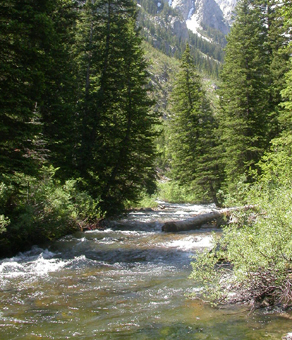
[216,14]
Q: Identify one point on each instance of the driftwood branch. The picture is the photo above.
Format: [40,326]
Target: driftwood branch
[218,216]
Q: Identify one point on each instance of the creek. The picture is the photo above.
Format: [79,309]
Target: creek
[128,281]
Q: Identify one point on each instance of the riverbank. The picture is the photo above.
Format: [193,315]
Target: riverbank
[129,280]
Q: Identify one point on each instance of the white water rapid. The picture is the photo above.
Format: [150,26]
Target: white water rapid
[129,281]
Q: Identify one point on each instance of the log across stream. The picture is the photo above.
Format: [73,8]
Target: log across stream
[213,218]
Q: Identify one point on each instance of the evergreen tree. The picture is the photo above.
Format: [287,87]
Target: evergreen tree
[287,104]
[249,95]
[36,84]
[24,31]
[58,107]
[193,160]
[116,150]
[286,93]
[278,56]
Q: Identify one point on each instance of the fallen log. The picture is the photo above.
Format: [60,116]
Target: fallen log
[220,217]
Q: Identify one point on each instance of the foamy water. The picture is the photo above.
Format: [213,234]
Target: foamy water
[129,281]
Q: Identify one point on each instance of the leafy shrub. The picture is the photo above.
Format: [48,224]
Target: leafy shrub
[35,210]
[171,191]
[252,261]
[146,201]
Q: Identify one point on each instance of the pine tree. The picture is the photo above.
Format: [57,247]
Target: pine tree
[116,151]
[276,40]
[249,97]
[24,30]
[58,106]
[192,144]
[35,90]
[286,92]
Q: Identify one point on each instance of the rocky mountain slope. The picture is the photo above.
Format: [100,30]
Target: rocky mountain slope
[227,7]
[198,14]
[168,24]
[209,20]
[165,28]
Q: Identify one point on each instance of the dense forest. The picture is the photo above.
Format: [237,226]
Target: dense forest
[253,259]
[251,111]
[77,129]
[82,138]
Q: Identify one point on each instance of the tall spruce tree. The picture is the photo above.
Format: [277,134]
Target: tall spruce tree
[58,106]
[192,142]
[250,93]
[116,149]
[24,30]
[276,40]
[286,93]
[36,83]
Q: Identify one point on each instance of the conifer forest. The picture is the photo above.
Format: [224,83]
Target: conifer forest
[88,129]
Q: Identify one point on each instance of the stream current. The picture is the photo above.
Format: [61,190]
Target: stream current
[129,281]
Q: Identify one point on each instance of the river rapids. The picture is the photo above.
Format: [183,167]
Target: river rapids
[129,281]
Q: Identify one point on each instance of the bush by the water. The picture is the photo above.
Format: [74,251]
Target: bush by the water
[171,191]
[252,261]
[38,209]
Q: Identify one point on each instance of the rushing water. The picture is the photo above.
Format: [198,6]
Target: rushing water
[129,281]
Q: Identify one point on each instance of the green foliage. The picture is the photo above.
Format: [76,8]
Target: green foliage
[213,50]
[21,83]
[216,35]
[58,103]
[286,93]
[172,191]
[36,84]
[162,72]
[116,149]
[74,92]
[37,209]
[252,261]
[252,79]
[145,200]
[192,140]
[243,95]
[4,222]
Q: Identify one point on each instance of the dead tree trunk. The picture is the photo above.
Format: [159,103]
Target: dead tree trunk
[218,216]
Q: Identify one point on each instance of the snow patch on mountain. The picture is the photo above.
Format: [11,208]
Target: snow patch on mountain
[213,13]
[193,24]
[227,7]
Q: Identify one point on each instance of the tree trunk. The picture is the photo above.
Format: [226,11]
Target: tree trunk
[220,217]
